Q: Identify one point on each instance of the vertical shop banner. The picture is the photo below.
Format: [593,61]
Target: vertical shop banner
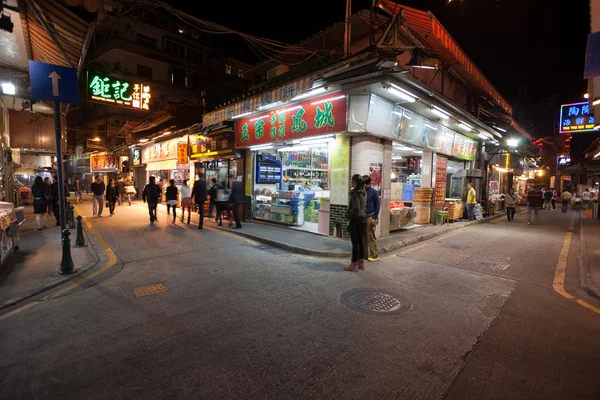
[340,171]
[464,148]
[182,153]
[137,157]
[319,116]
[441,166]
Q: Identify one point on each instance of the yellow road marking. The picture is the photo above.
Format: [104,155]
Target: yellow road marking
[561,269]
[112,260]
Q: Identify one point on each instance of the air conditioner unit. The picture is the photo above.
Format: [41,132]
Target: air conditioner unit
[116,122]
[277,71]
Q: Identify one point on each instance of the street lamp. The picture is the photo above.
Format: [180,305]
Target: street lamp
[512,142]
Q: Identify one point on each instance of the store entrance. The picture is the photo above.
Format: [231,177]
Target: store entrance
[405,176]
[292,186]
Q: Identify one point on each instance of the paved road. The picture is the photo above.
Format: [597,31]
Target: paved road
[240,320]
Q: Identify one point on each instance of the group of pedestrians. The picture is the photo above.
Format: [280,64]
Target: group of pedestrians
[362,215]
[221,199]
[117,191]
[46,199]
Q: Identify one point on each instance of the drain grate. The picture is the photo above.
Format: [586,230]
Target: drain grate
[149,290]
[375,302]
[496,265]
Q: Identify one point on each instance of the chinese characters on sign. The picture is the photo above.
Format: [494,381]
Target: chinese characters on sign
[576,117]
[137,157]
[326,114]
[563,161]
[441,166]
[102,163]
[205,146]
[182,153]
[464,147]
[119,92]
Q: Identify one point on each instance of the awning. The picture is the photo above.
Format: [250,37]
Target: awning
[429,30]
[69,29]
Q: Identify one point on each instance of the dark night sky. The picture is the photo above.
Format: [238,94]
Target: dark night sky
[540,43]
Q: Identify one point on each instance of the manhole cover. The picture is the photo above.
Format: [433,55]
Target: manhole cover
[497,265]
[374,302]
[149,290]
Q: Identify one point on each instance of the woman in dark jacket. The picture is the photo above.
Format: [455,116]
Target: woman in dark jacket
[112,195]
[172,199]
[357,223]
[40,193]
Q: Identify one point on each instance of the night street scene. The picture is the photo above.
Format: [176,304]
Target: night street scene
[339,200]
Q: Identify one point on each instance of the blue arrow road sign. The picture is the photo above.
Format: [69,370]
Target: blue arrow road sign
[53,82]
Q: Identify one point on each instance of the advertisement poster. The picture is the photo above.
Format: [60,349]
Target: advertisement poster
[340,174]
[441,166]
[464,147]
[375,174]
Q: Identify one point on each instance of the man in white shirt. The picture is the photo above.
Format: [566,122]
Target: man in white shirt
[586,197]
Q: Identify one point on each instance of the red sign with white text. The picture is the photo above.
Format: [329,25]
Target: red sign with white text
[318,116]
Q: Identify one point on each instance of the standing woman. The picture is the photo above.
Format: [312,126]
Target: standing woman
[78,191]
[40,193]
[112,195]
[172,199]
[357,223]
[186,201]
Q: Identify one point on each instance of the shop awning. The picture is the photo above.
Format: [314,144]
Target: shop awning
[429,30]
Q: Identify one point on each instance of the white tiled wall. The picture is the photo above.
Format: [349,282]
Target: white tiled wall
[365,150]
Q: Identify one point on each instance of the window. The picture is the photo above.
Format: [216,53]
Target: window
[174,47]
[176,76]
[191,81]
[146,41]
[193,55]
[228,69]
[144,71]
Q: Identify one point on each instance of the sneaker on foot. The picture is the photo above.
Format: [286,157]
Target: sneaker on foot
[373,258]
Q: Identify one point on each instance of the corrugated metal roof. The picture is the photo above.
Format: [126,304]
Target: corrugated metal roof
[428,29]
[69,29]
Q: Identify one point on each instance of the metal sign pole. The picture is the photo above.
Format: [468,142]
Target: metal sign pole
[66,264]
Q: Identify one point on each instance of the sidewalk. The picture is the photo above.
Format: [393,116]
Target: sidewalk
[34,268]
[589,254]
[307,243]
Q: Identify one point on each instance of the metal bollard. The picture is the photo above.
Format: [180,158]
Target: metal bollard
[66,264]
[71,214]
[79,240]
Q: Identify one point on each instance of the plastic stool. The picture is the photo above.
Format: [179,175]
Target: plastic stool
[444,216]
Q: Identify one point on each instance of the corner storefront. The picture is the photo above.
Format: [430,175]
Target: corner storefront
[161,161]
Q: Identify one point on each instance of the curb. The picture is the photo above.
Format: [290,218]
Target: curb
[317,253]
[67,278]
[585,272]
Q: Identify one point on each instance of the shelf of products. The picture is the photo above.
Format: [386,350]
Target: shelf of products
[285,207]
[309,168]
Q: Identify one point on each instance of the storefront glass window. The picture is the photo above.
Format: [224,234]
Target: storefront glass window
[455,176]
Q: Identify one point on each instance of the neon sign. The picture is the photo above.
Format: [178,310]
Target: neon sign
[119,92]
[563,161]
[576,117]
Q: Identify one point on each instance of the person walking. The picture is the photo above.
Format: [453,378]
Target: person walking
[54,199]
[554,198]
[548,196]
[98,188]
[78,191]
[41,195]
[212,193]
[534,200]
[510,201]
[222,203]
[471,201]
[186,200]
[237,198]
[48,182]
[357,223]
[172,193]
[129,190]
[112,195]
[121,190]
[586,198]
[565,198]
[199,197]
[152,195]
[372,209]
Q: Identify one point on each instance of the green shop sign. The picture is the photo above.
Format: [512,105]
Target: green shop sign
[119,92]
